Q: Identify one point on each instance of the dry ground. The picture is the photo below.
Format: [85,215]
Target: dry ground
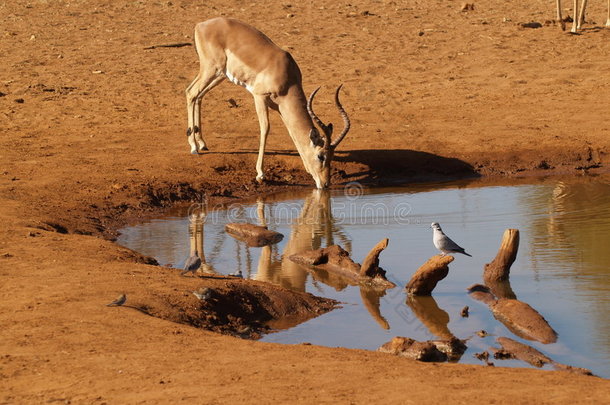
[92,136]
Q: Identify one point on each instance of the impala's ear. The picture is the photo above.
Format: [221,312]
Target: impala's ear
[315,137]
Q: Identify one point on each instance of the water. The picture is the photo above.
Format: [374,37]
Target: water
[562,269]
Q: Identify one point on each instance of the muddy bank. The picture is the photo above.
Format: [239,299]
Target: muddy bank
[240,308]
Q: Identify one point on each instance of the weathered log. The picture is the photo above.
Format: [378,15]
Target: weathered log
[454,348]
[523,320]
[520,318]
[413,349]
[253,235]
[370,265]
[513,349]
[335,259]
[428,275]
[429,350]
[499,268]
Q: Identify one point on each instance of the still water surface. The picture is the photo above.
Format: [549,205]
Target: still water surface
[562,269]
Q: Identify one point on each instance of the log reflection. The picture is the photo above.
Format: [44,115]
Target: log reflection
[431,315]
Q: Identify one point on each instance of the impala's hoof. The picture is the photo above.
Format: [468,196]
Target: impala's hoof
[204,148]
[260,180]
[194,152]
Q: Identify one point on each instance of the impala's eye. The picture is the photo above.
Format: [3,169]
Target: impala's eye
[321,158]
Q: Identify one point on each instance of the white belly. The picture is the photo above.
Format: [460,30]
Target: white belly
[238,82]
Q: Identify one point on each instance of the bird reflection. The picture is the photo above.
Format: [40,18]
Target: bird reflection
[197,236]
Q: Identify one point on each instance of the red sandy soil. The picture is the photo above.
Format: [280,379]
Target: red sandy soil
[92,136]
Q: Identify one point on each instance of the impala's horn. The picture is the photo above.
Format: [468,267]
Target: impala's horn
[345,119]
[327,130]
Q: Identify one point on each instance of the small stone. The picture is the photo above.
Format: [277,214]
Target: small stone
[467,7]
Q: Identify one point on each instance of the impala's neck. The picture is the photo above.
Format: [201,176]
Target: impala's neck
[293,109]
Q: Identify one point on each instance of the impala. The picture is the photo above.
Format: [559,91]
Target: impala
[230,49]
[579,15]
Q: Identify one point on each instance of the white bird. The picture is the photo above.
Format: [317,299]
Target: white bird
[192,264]
[443,243]
[121,299]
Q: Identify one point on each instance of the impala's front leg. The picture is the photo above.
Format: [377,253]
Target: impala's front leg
[192,103]
[197,131]
[204,82]
[263,119]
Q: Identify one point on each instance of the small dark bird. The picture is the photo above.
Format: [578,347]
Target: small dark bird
[192,264]
[121,299]
[443,243]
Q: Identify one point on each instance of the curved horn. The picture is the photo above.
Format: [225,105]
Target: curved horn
[314,117]
[345,119]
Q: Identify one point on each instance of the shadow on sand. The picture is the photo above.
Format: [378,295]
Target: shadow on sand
[396,164]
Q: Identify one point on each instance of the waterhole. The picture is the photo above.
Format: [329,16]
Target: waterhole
[562,268]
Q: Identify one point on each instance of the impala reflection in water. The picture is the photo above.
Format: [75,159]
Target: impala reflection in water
[561,268]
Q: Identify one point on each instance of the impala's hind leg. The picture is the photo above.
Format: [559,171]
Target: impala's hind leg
[203,83]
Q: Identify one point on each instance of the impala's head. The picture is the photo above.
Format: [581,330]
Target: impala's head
[323,147]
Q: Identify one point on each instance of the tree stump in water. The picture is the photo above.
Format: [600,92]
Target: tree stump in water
[335,259]
[370,265]
[499,268]
[428,275]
